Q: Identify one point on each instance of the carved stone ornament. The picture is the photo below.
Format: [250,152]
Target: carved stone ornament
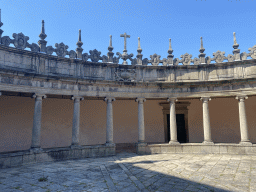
[85,57]
[252,52]
[6,41]
[134,61]
[186,59]
[176,61]
[125,74]
[20,40]
[34,47]
[196,61]
[208,60]
[116,60]
[165,62]
[155,59]
[244,56]
[95,55]
[230,58]
[72,54]
[49,50]
[219,56]
[104,59]
[61,49]
[145,61]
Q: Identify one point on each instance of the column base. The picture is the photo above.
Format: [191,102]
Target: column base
[174,143]
[36,150]
[141,144]
[245,143]
[208,143]
[110,144]
[75,146]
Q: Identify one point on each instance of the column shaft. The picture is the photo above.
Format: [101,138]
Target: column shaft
[109,134]
[173,124]
[141,126]
[243,120]
[76,120]
[206,121]
[36,132]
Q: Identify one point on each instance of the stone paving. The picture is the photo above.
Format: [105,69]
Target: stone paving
[128,172]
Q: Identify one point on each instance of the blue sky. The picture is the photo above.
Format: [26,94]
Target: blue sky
[184,21]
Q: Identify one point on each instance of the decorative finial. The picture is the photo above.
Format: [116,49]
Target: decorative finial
[79,44]
[236,51]
[234,34]
[201,42]
[139,43]
[110,41]
[79,36]
[170,45]
[42,31]
[202,54]
[1,24]
[42,34]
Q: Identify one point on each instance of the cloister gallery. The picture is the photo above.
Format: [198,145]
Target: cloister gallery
[58,104]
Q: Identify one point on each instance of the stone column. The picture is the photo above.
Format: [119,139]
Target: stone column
[76,121]
[173,124]
[109,140]
[36,132]
[141,126]
[206,121]
[243,122]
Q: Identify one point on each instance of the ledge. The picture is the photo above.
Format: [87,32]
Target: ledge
[198,148]
[18,158]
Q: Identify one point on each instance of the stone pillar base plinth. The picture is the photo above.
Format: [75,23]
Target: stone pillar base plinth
[208,143]
[174,143]
[141,148]
[36,150]
[75,146]
[246,143]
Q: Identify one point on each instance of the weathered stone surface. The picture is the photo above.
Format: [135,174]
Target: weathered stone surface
[16,160]
[131,172]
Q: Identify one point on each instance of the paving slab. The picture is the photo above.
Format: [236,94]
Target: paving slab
[131,172]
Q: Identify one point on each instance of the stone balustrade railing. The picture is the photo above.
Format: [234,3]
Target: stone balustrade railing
[20,41]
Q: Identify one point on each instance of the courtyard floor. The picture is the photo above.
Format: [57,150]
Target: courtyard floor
[128,172]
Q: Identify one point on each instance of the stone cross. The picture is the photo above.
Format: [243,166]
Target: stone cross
[125,36]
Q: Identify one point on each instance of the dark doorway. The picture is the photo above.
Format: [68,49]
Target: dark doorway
[181,131]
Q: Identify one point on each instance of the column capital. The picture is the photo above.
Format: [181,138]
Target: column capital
[77,98]
[109,99]
[140,100]
[205,99]
[241,98]
[172,99]
[39,95]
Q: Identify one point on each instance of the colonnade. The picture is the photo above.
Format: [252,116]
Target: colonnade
[206,121]
[141,127]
